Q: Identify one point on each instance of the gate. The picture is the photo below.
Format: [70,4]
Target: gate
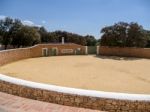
[53,52]
[44,52]
[91,49]
[78,51]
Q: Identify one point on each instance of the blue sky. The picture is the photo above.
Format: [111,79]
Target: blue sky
[78,16]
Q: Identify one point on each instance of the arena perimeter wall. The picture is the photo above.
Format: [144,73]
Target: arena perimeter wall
[7,56]
[107,101]
[125,51]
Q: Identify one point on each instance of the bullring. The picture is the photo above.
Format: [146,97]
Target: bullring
[109,101]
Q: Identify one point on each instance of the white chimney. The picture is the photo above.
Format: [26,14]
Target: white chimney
[63,39]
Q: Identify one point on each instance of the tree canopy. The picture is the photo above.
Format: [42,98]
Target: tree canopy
[56,36]
[13,32]
[147,35]
[26,36]
[5,26]
[124,35]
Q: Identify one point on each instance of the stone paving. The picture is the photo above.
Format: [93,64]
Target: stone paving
[11,103]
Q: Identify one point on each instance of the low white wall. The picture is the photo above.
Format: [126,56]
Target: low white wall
[107,101]
[90,93]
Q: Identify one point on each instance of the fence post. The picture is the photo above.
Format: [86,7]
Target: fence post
[97,50]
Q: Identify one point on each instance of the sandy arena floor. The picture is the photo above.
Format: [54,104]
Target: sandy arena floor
[116,74]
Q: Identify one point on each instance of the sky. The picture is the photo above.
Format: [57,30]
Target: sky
[77,16]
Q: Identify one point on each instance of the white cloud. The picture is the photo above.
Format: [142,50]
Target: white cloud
[2,17]
[30,23]
[27,22]
[43,21]
[38,25]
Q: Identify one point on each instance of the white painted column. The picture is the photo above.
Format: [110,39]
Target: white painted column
[63,40]
[97,50]
[86,49]
[75,52]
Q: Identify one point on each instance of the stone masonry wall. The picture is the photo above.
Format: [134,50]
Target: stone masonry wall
[37,51]
[127,51]
[106,104]
[14,55]
[8,56]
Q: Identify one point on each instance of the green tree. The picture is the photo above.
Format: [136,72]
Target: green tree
[123,35]
[136,36]
[13,32]
[15,35]
[27,36]
[90,40]
[147,35]
[69,37]
[5,26]
[44,34]
[114,35]
[0,39]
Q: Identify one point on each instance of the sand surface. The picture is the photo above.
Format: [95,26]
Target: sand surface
[115,74]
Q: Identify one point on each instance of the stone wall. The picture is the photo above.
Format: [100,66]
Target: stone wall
[37,51]
[11,55]
[8,56]
[71,97]
[99,103]
[127,51]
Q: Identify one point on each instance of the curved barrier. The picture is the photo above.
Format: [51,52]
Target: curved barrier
[11,55]
[108,101]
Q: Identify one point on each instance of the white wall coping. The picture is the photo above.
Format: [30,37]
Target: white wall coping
[30,47]
[90,93]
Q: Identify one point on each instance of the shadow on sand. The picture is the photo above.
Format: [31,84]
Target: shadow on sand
[117,58]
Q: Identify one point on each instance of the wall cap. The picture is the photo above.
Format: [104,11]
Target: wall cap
[82,92]
[30,47]
[123,47]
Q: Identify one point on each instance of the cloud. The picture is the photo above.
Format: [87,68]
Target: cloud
[38,25]
[30,23]
[2,17]
[27,22]
[43,21]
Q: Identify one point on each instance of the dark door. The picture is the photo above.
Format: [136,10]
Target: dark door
[91,49]
[52,52]
[44,52]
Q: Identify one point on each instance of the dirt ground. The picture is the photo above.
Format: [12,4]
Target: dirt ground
[115,74]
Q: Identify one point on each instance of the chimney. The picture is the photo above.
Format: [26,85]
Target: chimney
[63,39]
